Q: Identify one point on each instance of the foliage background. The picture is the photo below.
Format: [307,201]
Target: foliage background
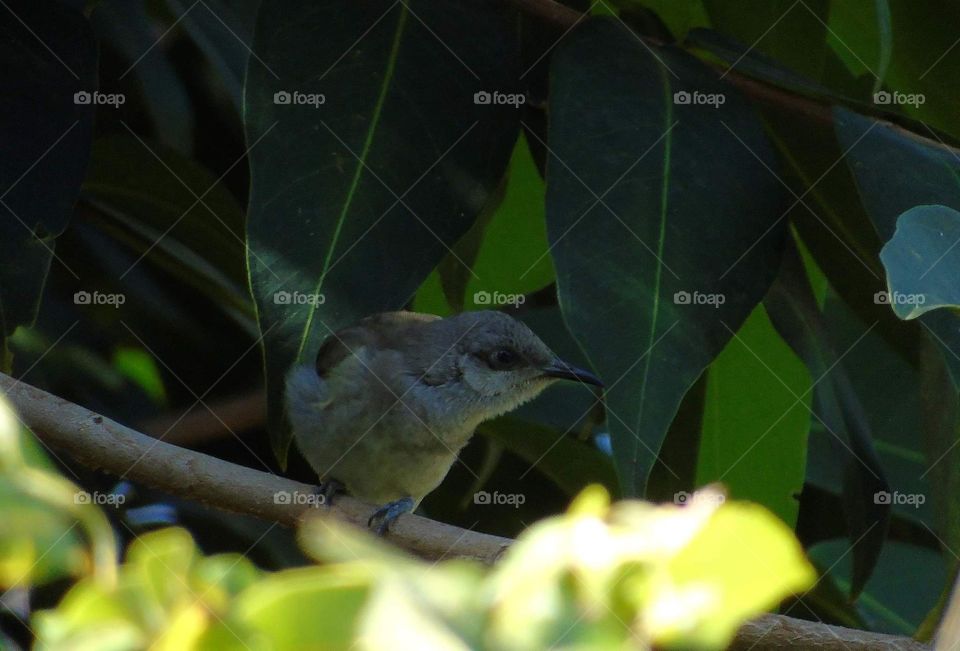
[597,200]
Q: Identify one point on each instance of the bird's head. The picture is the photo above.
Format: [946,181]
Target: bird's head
[504,363]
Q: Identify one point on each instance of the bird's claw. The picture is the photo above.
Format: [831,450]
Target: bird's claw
[383,517]
[328,490]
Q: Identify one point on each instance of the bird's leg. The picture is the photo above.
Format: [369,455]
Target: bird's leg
[330,489]
[386,514]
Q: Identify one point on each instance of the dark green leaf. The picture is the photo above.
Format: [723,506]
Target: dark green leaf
[776,28]
[796,315]
[904,587]
[663,221]
[354,200]
[895,171]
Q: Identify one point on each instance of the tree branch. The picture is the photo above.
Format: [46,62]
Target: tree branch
[102,444]
[565,18]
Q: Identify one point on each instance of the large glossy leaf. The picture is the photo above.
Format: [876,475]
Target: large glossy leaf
[756,419]
[46,143]
[655,210]
[359,197]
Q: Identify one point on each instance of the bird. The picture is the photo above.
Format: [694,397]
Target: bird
[390,401]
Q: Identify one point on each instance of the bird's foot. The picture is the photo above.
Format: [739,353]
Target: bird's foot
[330,489]
[383,517]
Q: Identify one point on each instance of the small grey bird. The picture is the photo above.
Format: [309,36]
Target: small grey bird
[393,399]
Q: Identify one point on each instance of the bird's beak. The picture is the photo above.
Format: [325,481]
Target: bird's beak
[560,369]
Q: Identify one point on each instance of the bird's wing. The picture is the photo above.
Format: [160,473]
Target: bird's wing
[380,331]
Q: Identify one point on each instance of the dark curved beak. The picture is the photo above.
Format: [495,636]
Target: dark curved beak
[560,369]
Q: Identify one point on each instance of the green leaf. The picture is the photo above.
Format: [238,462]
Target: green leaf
[923,262]
[355,200]
[756,419]
[720,596]
[46,139]
[925,62]
[896,171]
[41,517]
[861,35]
[330,599]
[831,219]
[795,313]
[776,28]
[903,589]
[513,258]
[649,286]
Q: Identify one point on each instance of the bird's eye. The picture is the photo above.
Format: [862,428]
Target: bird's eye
[503,359]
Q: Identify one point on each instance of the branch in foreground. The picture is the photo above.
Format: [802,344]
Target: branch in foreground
[102,444]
